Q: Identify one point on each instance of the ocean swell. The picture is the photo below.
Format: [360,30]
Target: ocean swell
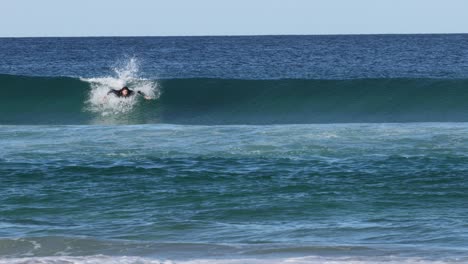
[66,100]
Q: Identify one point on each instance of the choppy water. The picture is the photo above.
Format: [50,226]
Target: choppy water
[350,167]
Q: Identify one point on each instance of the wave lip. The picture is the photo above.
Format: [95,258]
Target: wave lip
[64,100]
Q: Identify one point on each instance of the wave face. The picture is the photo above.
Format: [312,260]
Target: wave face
[64,100]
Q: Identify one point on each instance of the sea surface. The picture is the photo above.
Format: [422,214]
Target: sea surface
[252,150]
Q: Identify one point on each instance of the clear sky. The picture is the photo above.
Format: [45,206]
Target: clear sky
[20,18]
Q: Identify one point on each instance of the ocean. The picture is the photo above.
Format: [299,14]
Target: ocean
[253,150]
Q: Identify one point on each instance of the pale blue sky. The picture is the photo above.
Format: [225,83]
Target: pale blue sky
[234,17]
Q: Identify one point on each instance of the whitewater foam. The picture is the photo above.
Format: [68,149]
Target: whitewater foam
[126,75]
[101,259]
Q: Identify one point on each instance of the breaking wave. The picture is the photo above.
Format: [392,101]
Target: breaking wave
[66,100]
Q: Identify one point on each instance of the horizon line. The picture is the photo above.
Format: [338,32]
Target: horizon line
[228,35]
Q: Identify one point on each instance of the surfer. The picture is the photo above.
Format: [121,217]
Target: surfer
[125,92]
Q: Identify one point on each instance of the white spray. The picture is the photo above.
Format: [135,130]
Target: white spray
[126,75]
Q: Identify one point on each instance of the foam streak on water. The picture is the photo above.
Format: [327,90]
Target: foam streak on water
[137,260]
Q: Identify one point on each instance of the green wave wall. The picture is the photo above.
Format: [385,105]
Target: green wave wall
[62,100]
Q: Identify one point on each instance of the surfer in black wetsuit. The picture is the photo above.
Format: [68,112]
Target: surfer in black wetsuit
[125,92]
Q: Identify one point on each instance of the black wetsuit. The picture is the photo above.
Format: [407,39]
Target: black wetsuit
[119,93]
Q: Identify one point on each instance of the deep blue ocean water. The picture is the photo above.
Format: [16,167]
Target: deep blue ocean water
[274,149]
